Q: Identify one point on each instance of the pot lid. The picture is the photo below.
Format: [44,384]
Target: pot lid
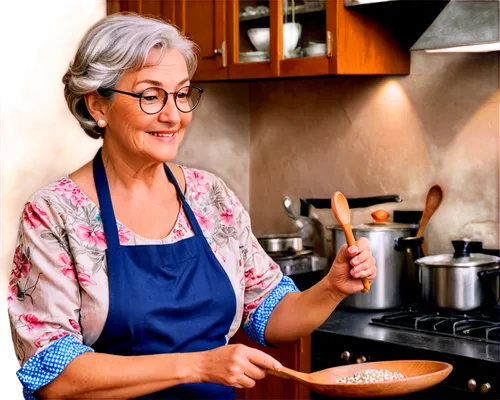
[378,226]
[450,260]
[462,257]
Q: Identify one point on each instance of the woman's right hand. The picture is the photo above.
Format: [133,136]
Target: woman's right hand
[235,365]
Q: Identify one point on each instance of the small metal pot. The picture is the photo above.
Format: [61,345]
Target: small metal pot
[387,289]
[461,281]
[283,242]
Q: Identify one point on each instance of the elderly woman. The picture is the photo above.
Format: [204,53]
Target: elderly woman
[131,274]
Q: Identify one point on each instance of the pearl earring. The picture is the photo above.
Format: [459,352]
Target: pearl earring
[101,123]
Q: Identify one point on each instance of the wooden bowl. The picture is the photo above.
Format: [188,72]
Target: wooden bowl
[420,375]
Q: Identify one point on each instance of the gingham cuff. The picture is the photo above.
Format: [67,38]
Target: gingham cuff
[45,366]
[257,322]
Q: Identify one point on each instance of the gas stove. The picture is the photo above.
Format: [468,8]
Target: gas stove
[304,268]
[481,326]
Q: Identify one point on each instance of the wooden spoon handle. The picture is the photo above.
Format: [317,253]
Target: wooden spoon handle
[288,373]
[349,236]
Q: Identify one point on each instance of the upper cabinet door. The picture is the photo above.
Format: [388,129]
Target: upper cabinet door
[305,28]
[362,46]
[164,9]
[252,32]
[115,6]
[204,22]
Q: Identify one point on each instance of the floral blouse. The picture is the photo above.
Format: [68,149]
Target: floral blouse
[58,288]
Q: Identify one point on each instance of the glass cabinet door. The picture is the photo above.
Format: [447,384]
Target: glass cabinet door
[252,38]
[304,35]
[304,28]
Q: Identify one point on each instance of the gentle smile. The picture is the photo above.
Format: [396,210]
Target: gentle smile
[161,134]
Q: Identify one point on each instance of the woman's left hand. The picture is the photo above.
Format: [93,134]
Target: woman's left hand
[350,265]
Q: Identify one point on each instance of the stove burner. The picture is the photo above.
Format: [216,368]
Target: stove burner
[478,326]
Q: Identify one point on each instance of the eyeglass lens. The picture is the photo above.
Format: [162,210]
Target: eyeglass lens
[186,99]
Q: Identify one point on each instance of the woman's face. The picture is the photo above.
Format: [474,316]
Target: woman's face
[151,137]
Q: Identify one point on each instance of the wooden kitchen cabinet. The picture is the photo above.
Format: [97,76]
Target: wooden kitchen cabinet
[203,21]
[164,9]
[296,355]
[354,42]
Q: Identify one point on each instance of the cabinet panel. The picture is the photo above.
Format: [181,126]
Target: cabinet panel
[155,8]
[114,6]
[295,355]
[205,24]
[363,46]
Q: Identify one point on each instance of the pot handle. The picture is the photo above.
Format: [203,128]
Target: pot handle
[408,242]
[488,273]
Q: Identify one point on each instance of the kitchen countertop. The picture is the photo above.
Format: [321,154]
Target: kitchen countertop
[356,324]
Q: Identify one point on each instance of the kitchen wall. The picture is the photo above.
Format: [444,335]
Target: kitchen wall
[368,135]
[41,140]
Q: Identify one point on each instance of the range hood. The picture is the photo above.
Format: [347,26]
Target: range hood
[462,26]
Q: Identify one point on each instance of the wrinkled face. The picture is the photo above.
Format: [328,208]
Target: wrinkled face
[150,137]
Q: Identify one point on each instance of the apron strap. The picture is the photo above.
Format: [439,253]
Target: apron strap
[107,213]
[187,209]
[105,204]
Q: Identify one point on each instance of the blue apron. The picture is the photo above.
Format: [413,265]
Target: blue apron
[165,298]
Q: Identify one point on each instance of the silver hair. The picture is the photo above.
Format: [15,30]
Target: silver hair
[114,45]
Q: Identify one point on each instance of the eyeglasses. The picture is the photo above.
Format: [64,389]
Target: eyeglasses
[153,99]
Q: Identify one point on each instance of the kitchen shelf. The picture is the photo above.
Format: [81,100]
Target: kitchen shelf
[298,10]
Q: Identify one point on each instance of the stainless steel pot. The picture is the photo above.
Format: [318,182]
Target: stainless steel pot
[386,289]
[461,281]
[275,243]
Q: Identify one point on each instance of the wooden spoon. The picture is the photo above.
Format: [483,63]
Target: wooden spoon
[432,202]
[340,209]
[419,375]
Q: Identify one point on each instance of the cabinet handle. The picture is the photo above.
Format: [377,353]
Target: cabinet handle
[345,355]
[328,44]
[361,360]
[485,388]
[222,52]
[471,384]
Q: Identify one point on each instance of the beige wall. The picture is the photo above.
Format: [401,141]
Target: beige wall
[41,140]
[368,136]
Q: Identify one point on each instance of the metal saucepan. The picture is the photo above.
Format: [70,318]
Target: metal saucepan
[461,281]
[387,289]
[283,242]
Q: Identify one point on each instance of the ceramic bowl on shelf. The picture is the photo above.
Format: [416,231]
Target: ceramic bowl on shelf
[259,38]
[315,49]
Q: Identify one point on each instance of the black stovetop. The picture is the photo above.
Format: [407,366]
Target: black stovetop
[482,326]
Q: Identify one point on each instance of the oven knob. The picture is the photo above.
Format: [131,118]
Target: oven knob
[471,384]
[485,388]
[361,359]
[345,356]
